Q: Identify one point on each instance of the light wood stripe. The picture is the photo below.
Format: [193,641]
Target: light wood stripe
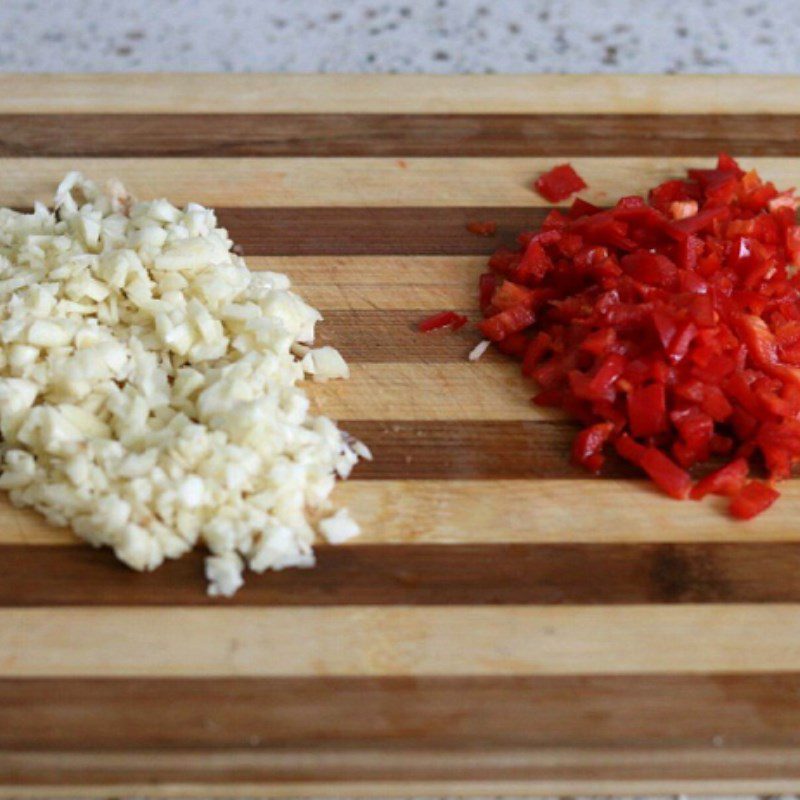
[402,641]
[479,94]
[391,296]
[399,135]
[395,772]
[363,182]
[589,510]
[398,271]
[757,778]
[752,774]
[425,575]
[486,512]
[485,390]
[380,282]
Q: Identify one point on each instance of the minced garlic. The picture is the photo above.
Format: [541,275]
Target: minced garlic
[148,387]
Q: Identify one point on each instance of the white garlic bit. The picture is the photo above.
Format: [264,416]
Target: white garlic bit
[479,349]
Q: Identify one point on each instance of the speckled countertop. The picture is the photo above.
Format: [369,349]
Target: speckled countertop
[401,36]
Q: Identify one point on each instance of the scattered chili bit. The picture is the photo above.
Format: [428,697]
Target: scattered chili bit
[559,183]
[669,326]
[444,319]
[488,228]
[754,498]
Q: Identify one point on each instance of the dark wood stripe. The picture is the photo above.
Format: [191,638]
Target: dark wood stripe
[261,714]
[393,336]
[376,231]
[409,231]
[472,450]
[394,718]
[237,135]
[496,574]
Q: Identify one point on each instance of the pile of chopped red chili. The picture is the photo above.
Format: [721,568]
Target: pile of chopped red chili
[668,326]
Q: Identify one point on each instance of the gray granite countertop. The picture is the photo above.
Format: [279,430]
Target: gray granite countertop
[400,36]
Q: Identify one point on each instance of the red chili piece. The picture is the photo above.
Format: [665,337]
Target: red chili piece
[727,480]
[559,183]
[444,319]
[488,228]
[588,445]
[754,498]
[668,326]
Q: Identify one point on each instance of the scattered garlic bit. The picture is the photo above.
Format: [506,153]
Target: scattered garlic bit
[479,350]
[339,528]
[148,387]
[325,364]
[224,574]
[360,449]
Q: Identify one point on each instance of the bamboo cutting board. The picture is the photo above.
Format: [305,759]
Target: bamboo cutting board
[505,624]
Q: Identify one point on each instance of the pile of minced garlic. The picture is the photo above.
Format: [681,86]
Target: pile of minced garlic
[148,388]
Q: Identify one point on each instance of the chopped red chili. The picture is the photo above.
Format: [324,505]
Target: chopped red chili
[665,473]
[511,320]
[727,480]
[668,326]
[488,228]
[754,498]
[588,445]
[444,319]
[559,183]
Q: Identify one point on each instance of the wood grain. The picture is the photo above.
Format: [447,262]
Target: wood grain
[425,574]
[413,450]
[505,623]
[399,135]
[394,773]
[373,282]
[396,271]
[364,182]
[473,450]
[385,772]
[450,511]
[485,390]
[392,336]
[553,511]
[417,94]
[373,641]
[422,231]
[259,714]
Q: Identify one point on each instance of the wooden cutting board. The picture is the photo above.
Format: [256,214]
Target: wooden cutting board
[506,624]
